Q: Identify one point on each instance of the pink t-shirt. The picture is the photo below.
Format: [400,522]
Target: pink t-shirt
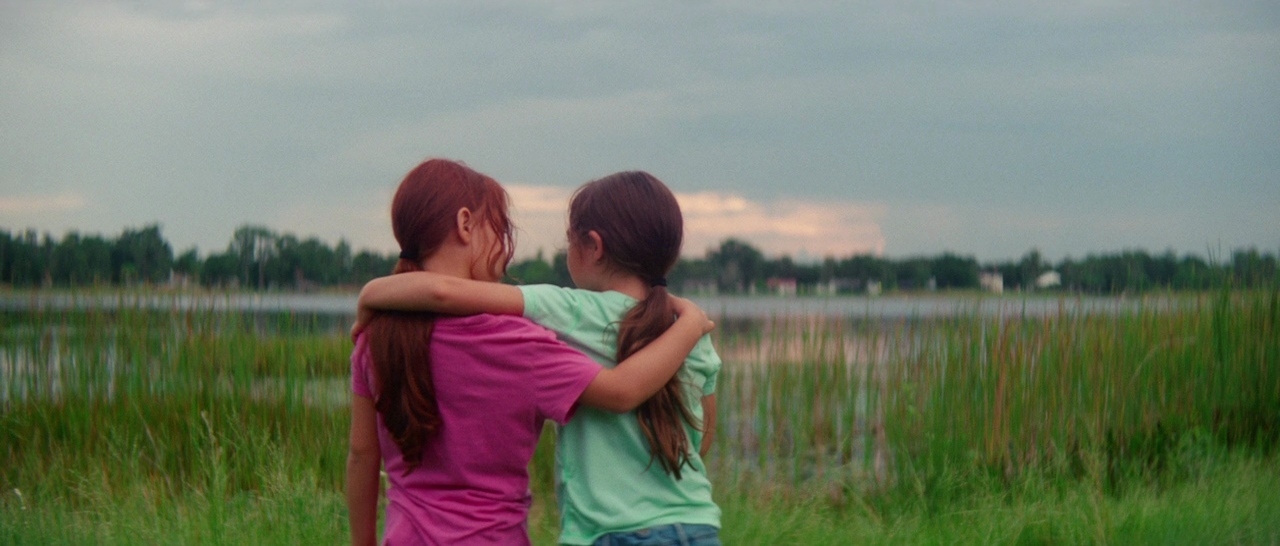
[497,378]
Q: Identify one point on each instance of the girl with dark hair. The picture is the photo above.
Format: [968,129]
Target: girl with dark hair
[622,479]
[452,406]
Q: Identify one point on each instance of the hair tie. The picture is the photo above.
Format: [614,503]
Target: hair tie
[660,281]
[406,255]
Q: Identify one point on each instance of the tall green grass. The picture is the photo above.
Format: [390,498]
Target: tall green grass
[96,401]
[150,424]
[1120,396]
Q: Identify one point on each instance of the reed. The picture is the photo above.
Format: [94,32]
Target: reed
[182,422]
[138,393]
[1117,396]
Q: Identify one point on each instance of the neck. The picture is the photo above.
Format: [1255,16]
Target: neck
[448,261]
[630,285]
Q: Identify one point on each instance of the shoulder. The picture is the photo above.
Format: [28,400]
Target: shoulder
[566,310]
[704,359]
[478,326]
[552,297]
[548,294]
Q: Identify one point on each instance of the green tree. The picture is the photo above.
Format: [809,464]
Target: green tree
[1029,269]
[188,263]
[739,266]
[142,255]
[1196,274]
[23,263]
[913,273]
[865,268]
[79,261]
[367,265]
[692,273]
[220,270]
[535,270]
[318,263]
[560,264]
[952,271]
[252,246]
[1251,269]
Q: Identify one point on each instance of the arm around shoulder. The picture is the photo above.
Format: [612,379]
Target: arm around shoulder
[427,291]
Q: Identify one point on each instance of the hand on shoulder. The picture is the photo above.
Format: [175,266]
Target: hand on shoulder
[688,310]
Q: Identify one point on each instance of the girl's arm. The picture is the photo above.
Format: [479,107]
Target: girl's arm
[364,460]
[619,389]
[641,375]
[708,424]
[426,291]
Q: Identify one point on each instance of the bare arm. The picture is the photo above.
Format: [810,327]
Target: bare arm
[427,291]
[634,380]
[364,459]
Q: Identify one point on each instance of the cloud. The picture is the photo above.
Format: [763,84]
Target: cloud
[364,222]
[540,214]
[30,205]
[203,40]
[799,228]
[988,126]
[794,227]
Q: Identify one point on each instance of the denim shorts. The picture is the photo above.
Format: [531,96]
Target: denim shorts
[676,534]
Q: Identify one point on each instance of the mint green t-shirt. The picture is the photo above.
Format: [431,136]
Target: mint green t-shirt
[605,480]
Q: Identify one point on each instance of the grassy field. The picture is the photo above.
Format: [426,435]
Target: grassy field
[1160,425]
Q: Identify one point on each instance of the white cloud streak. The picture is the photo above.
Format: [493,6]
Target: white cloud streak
[798,228]
[29,206]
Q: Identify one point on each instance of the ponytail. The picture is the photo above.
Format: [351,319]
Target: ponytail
[662,415]
[639,219]
[400,344]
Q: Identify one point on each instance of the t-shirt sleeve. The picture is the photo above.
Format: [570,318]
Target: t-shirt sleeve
[553,307]
[559,375]
[705,361]
[361,368]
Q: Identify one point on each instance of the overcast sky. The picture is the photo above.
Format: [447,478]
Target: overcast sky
[985,128]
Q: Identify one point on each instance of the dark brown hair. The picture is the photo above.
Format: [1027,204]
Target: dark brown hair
[639,222]
[423,213]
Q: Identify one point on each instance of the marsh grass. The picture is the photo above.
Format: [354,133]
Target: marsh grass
[1121,397]
[194,425]
[96,401]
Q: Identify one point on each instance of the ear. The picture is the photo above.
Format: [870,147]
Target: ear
[463,225]
[594,246]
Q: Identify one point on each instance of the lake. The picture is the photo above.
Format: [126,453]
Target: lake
[892,307]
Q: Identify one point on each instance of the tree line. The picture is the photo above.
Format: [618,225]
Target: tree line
[256,258]
[736,267]
[259,258]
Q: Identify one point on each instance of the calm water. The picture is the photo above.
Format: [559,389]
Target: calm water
[758,334]
[735,307]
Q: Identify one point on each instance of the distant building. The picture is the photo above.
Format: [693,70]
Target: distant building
[874,288]
[1049,279]
[991,281]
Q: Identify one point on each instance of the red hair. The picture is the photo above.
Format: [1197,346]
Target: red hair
[423,213]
